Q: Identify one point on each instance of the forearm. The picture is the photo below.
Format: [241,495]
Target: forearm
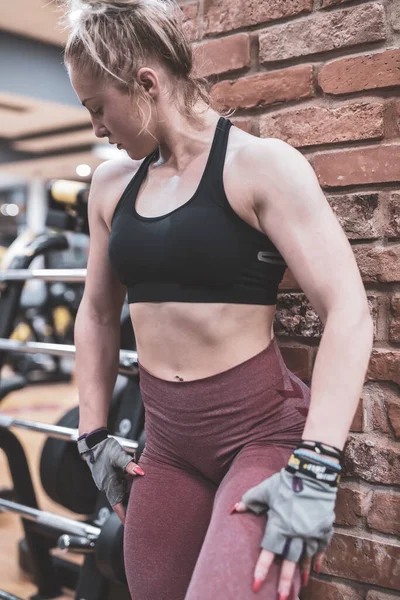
[338,378]
[97,345]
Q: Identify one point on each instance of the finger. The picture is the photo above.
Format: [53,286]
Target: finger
[318,559]
[262,567]
[120,510]
[133,469]
[286,578]
[305,568]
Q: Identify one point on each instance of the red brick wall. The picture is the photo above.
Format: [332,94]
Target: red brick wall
[324,75]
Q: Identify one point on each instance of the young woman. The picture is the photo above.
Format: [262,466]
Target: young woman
[235,491]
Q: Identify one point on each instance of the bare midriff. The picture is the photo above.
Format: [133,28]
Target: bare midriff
[186,341]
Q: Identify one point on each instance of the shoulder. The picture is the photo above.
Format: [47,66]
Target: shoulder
[112,169]
[272,168]
[271,155]
[109,181]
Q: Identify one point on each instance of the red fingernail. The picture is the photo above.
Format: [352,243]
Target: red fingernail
[283,596]
[138,470]
[304,578]
[233,508]
[257,584]
[318,567]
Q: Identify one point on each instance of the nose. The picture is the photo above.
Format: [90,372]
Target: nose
[99,130]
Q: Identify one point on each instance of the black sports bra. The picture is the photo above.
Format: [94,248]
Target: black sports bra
[200,252]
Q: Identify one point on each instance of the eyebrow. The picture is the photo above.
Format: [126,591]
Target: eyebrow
[86,99]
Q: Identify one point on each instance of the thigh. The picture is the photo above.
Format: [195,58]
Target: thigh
[231,548]
[167,518]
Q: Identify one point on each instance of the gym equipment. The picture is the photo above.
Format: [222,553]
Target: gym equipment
[6,596]
[76,275]
[74,536]
[68,205]
[102,574]
[19,255]
[128,359]
[64,433]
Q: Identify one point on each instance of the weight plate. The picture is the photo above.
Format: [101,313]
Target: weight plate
[65,477]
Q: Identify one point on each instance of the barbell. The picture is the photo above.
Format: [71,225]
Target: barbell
[57,431]
[80,537]
[76,275]
[128,359]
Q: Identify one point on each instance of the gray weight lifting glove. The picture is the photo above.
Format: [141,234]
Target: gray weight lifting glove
[300,508]
[106,460]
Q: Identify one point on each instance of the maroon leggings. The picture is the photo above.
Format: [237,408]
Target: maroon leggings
[207,442]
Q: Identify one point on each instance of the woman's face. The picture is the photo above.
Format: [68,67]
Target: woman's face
[114,115]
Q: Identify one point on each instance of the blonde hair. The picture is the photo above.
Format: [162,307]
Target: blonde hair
[112,40]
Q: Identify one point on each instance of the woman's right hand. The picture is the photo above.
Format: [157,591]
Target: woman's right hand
[109,464]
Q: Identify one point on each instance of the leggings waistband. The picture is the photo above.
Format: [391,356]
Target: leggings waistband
[272,349]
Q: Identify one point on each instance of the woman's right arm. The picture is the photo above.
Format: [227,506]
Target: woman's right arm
[97,325]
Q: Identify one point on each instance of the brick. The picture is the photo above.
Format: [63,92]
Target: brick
[327,3]
[265,88]
[350,506]
[395,305]
[222,56]
[288,282]
[378,595]
[322,32]
[373,459]
[378,417]
[321,125]
[190,20]
[378,264]
[392,404]
[339,168]
[384,513]
[247,125]
[296,317]
[394,331]
[326,590]
[358,214]
[364,560]
[394,8]
[384,365]
[367,72]
[392,119]
[358,419]
[375,416]
[228,15]
[297,360]
[392,228]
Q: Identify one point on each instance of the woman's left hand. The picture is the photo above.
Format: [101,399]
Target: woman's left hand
[300,524]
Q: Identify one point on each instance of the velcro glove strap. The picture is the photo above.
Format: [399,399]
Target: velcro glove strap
[107,461]
[300,513]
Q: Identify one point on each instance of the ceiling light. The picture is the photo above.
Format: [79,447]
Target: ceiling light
[83,170]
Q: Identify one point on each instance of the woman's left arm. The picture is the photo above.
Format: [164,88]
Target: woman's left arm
[293,212]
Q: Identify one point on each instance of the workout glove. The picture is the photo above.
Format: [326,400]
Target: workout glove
[107,461]
[300,513]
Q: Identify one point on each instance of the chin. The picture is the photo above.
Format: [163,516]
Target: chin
[135,155]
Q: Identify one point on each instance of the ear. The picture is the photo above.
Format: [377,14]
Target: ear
[148,79]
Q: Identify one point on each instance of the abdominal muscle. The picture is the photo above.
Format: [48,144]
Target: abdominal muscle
[179,341]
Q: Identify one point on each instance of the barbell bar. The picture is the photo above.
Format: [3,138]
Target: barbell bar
[57,431]
[77,275]
[62,524]
[128,359]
